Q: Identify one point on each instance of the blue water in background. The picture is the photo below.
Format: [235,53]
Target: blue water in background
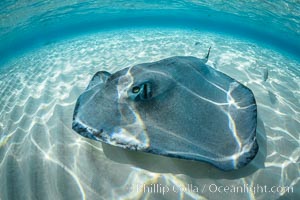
[53,21]
[49,50]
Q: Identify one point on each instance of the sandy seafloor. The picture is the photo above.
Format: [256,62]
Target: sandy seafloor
[43,158]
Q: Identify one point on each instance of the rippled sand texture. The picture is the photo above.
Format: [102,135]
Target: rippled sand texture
[42,158]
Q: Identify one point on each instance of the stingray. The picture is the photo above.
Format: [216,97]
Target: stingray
[177,107]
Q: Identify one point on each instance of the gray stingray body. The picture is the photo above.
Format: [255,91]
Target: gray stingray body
[178,107]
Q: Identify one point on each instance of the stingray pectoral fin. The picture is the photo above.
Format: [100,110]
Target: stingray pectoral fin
[99,78]
[186,110]
[243,115]
[85,103]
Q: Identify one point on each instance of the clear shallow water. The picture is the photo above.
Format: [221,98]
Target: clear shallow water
[49,50]
[42,158]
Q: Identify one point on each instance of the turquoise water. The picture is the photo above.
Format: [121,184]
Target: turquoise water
[50,50]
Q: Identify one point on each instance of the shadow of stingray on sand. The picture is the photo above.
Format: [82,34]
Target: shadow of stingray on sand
[194,169]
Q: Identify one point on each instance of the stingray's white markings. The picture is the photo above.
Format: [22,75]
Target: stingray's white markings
[127,81]
[123,86]
[205,158]
[244,107]
[201,97]
[217,86]
[246,148]
[90,129]
[221,105]
[189,90]
[232,127]
[127,139]
[160,73]
[232,101]
[125,135]
[231,122]
[170,77]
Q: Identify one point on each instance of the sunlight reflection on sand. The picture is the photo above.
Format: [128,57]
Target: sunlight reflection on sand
[42,157]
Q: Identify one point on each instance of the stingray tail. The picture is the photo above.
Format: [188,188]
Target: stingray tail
[207,55]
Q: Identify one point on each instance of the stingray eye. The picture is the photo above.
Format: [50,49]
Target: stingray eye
[140,92]
[136,89]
